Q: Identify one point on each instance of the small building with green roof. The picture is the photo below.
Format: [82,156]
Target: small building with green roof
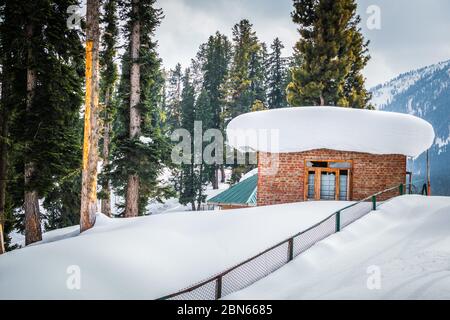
[241,195]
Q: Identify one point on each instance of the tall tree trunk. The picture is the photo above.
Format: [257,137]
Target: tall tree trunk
[132,200]
[106,201]
[90,144]
[33,230]
[4,124]
[3,168]
[322,100]
[200,191]
[215,182]
[222,173]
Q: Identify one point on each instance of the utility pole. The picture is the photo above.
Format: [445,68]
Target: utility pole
[428,175]
[90,143]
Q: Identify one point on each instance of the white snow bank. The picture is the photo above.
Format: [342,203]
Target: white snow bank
[407,242]
[308,128]
[150,257]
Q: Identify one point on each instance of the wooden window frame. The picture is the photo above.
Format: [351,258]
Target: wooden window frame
[317,177]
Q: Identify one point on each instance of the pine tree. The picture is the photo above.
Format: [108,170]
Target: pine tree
[246,84]
[107,88]
[246,76]
[43,98]
[277,76]
[188,171]
[174,96]
[214,57]
[137,164]
[257,76]
[333,53]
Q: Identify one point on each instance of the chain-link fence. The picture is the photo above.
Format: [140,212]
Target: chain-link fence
[263,264]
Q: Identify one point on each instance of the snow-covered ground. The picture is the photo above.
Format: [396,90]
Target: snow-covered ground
[401,251]
[149,257]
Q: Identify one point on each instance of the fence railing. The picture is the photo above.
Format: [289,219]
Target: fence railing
[261,265]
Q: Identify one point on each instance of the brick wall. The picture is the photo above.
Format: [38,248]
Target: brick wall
[370,174]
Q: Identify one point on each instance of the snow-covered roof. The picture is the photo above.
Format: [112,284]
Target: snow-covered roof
[307,128]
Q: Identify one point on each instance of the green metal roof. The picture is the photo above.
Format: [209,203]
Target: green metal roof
[243,193]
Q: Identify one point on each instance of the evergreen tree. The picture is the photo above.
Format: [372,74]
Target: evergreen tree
[107,88]
[214,57]
[189,178]
[246,74]
[277,77]
[43,96]
[174,88]
[257,76]
[246,84]
[333,53]
[137,162]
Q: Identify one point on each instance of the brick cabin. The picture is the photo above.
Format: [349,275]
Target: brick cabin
[329,153]
[325,174]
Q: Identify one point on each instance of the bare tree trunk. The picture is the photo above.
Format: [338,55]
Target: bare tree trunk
[200,191]
[322,100]
[3,167]
[222,173]
[4,124]
[90,144]
[215,182]
[106,201]
[33,230]
[132,200]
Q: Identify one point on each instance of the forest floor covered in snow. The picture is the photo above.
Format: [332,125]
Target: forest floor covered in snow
[401,251]
[152,256]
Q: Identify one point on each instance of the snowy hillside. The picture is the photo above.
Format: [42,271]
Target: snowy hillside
[401,251]
[150,257]
[424,93]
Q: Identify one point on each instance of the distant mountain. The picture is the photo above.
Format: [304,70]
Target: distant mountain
[424,93]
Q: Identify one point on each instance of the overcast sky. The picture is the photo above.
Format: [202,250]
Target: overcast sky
[414,33]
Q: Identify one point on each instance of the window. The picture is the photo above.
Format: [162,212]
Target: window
[343,185]
[327,186]
[327,180]
[311,184]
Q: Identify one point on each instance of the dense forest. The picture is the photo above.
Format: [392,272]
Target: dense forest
[87,110]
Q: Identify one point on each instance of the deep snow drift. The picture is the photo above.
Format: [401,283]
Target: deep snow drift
[150,257]
[407,241]
[308,128]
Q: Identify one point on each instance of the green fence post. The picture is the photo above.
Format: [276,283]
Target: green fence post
[400,190]
[338,221]
[291,249]
[374,203]
[218,288]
